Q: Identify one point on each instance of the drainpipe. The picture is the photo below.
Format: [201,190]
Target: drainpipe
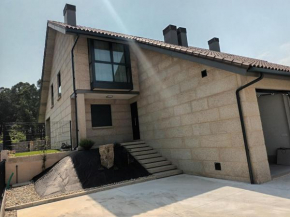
[243,124]
[74,90]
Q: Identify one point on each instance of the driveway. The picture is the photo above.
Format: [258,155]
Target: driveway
[182,195]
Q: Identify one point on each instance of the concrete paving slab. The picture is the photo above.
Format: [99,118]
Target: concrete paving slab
[182,195]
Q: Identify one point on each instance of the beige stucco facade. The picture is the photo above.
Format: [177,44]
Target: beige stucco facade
[192,121]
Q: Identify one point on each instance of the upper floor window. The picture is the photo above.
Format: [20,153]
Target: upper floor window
[110,65]
[59,84]
[52,95]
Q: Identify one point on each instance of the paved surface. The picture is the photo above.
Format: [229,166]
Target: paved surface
[177,196]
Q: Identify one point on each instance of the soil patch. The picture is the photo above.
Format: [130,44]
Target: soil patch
[83,169]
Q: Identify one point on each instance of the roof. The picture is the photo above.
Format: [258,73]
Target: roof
[244,62]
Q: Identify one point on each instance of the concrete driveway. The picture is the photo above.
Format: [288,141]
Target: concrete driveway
[182,195]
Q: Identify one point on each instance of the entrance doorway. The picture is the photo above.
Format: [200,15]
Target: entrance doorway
[274,109]
[135,121]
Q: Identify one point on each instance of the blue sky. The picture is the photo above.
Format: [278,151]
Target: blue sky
[253,28]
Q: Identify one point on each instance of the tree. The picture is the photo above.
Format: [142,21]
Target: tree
[20,103]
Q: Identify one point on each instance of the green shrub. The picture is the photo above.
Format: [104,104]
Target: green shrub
[86,144]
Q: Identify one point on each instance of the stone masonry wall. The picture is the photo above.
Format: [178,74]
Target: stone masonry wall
[61,111]
[193,121]
[121,131]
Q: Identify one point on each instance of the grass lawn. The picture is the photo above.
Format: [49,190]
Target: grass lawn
[20,154]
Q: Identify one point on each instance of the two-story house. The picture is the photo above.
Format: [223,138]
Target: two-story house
[211,113]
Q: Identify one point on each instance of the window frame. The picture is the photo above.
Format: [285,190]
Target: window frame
[59,84]
[110,84]
[111,119]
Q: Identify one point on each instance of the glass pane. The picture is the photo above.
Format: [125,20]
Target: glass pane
[120,73]
[118,53]
[103,72]
[102,51]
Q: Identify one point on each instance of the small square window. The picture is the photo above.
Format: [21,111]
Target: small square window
[217,166]
[203,73]
[101,115]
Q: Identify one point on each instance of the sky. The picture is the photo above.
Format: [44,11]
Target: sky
[252,28]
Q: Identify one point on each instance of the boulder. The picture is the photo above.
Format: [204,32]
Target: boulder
[107,155]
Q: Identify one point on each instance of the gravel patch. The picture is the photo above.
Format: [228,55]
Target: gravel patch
[11,213]
[21,195]
[27,194]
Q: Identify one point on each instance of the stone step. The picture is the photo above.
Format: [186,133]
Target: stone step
[132,143]
[167,173]
[157,164]
[139,153]
[161,169]
[152,160]
[136,146]
[139,149]
[147,156]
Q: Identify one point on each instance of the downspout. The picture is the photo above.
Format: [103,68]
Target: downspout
[243,124]
[74,91]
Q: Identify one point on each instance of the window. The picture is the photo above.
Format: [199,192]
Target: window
[59,84]
[52,95]
[101,115]
[110,65]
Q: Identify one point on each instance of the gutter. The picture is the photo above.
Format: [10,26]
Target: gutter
[243,124]
[74,91]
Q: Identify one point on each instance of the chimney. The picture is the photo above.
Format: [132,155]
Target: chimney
[214,44]
[170,35]
[182,38]
[69,13]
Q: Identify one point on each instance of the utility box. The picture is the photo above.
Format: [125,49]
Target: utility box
[283,156]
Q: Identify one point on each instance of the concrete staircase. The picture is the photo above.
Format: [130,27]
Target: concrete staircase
[151,160]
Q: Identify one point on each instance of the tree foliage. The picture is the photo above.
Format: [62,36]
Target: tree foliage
[20,103]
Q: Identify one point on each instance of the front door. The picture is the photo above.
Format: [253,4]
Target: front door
[135,121]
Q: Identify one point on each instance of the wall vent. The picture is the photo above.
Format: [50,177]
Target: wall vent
[217,166]
[203,73]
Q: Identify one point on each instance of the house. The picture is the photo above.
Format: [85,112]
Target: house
[211,113]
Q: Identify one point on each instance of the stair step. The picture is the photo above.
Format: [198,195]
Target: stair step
[132,143]
[139,153]
[136,146]
[161,169]
[152,160]
[167,173]
[139,149]
[157,164]
[147,156]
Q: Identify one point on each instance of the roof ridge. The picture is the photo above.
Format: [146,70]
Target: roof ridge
[195,51]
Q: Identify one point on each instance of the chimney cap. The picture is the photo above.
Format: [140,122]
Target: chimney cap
[68,7]
[213,40]
[181,29]
[168,28]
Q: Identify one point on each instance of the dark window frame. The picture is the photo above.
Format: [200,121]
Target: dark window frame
[59,84]
[107,84]
[93,118]
[51,95]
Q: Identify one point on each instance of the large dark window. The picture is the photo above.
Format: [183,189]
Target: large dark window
[110,65]
[101,115]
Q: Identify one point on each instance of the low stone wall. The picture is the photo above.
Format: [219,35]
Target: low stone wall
[30,166]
